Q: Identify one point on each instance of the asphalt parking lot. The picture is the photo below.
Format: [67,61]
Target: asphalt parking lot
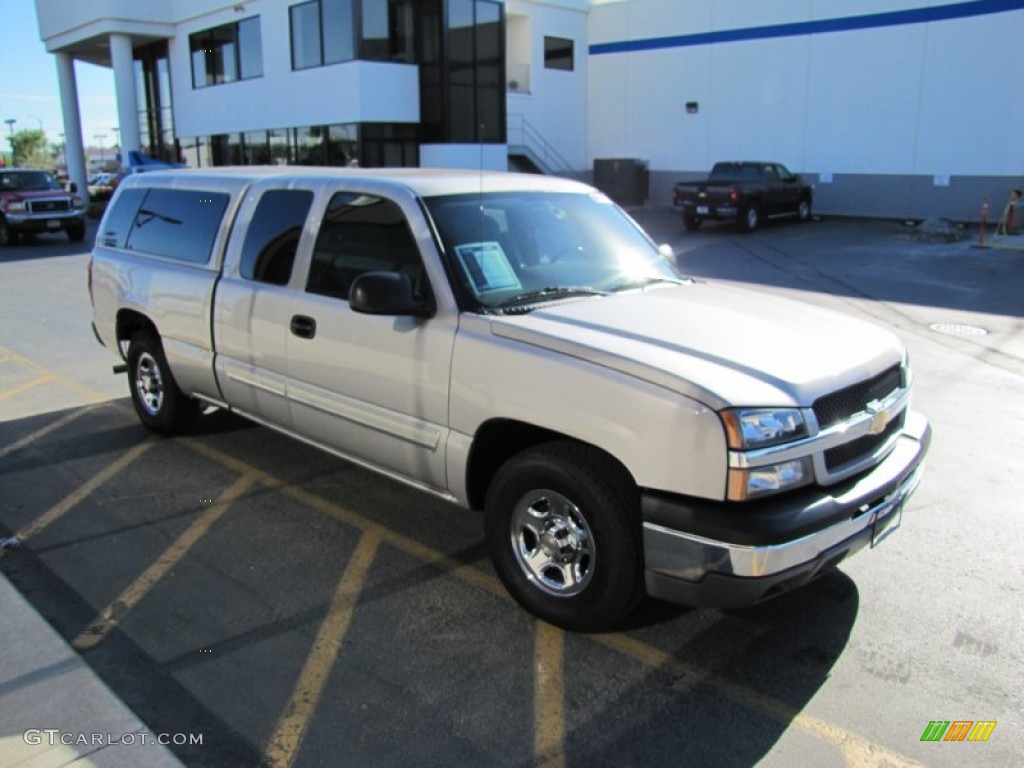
[297,610]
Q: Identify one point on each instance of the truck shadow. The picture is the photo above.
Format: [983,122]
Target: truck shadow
[436,668]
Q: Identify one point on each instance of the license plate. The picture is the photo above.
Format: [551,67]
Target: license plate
[53,224]
[702,209]
[887,525]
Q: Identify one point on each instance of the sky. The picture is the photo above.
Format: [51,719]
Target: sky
[28,88]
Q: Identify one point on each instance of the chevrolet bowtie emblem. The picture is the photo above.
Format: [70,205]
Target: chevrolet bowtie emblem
[879,418]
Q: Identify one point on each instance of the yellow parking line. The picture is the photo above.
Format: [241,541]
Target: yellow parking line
[856,750]
[53,426]
[72,500]
[549,697]
[92,395]
[111,616]
[291,727]
[25,386]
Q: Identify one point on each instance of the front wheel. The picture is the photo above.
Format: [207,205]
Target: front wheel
[76,232]
[8,235]
[160,405]
[563,530]
[803,210]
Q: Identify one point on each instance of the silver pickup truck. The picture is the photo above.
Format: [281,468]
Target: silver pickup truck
[517,344]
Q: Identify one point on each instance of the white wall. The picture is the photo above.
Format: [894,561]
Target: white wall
[556,104]
[355,91]
[934,98]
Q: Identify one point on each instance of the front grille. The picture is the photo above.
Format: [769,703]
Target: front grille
[862,446]
[48,206]
[840,406]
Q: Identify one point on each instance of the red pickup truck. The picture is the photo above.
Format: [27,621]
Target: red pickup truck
[33,201]
[744,192]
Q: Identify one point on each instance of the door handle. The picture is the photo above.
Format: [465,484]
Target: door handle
[304,327]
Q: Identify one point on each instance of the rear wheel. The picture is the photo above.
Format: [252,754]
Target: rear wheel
[160,405]
[563,530]
[692,223]
[751,217]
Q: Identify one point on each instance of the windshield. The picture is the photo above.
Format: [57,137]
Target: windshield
[25,181]
[513,249]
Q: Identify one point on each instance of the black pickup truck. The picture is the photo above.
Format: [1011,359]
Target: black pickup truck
[745,192]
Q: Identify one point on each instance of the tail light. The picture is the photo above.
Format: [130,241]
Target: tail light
[734,195]
[88,280]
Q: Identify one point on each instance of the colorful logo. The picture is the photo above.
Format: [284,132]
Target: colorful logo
[958,730]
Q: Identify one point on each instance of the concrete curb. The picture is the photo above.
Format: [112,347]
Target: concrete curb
[54,710]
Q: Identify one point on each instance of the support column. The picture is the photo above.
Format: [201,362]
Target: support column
[124,86]
[74,150]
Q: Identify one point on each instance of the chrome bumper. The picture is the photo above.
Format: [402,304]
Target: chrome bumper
[694,569]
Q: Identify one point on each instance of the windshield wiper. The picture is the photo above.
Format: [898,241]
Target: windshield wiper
[555,291]
[640,282]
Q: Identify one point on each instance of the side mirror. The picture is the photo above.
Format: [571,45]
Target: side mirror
[386,293]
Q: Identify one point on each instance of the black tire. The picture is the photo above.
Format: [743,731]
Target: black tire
[8,235]
[750,218]
[573,497]
[160,405]
[76,232]
[803,210]
[692,223]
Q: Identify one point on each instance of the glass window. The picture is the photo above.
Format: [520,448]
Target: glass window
[309,149]
[250,48]
[226,53]
[339,40]
[362,233]
[375,31]
[511,250]
[558,53]
[306,35]
[178,224]
[273,236]
[120,217]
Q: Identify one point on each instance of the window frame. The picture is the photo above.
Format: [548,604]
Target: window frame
[198,42]
[552,56]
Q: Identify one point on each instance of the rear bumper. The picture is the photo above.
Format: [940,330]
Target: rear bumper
[708,210]
[730,555]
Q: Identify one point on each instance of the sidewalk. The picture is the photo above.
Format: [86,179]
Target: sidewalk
[54,710]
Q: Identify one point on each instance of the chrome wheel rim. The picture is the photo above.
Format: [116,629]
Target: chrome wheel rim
[752,218]
[149,384]
[804,212]
[553,543]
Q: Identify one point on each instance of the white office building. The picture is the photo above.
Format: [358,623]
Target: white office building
[897,108]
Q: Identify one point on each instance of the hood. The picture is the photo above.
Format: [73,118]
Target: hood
[721,345]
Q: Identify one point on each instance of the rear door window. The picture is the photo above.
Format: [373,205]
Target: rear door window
[178,224]
[273,235]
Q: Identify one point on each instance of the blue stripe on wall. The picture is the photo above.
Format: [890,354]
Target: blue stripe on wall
[870,21]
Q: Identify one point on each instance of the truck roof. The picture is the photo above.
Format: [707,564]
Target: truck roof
[424,182]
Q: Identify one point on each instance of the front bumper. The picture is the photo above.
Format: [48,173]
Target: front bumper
[53,221]
[730,555]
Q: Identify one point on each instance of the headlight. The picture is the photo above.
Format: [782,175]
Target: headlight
[749,428]
[759,481]
[16,207]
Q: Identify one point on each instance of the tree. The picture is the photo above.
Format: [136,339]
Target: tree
[30,149]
